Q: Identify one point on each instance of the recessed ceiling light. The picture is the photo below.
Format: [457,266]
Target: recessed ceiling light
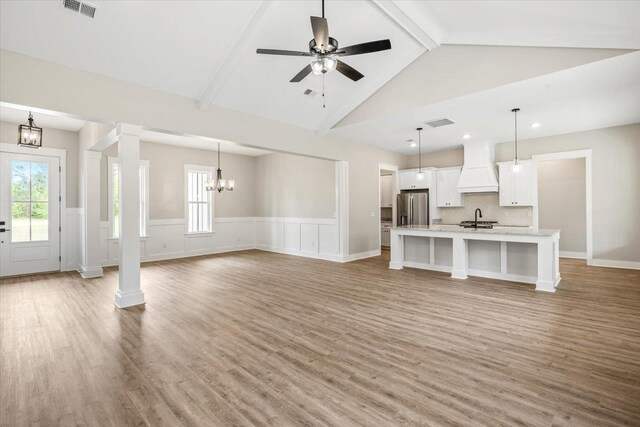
[413,144]
[466,136]
[535,125]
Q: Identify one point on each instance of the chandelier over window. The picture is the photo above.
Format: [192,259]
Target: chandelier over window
[30,135]
[220,184]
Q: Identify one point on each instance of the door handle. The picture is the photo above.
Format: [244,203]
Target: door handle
[2,230]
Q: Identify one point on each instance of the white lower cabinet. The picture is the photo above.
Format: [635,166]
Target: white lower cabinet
[447,185]
[517,188]
[386,236]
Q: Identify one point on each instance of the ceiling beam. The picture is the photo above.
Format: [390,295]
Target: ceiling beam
[224,72]
[426,33]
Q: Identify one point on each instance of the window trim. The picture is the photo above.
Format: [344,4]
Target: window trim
[111,160]
[210,171]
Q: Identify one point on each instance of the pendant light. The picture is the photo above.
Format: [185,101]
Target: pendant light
[30,135]
[419,175]
[516,165]
[220,184]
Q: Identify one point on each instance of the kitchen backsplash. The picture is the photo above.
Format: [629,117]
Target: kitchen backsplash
[491,211]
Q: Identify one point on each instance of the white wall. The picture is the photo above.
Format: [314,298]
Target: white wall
[455,70]
[562,202]
[52,138]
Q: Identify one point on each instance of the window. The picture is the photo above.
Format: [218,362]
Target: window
[29,201]
[114,197]
[199,210]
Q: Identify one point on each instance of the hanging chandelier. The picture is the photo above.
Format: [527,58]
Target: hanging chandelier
[516,165]
[30,135]
[220,184]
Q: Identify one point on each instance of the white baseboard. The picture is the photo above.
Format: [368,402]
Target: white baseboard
[631,265]
[425,266]
[316,255]
[361,255]
[574,255]
[499,276]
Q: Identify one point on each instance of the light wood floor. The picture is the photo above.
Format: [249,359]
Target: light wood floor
[269,339]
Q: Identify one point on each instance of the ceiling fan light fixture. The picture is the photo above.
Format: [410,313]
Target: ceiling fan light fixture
[323,64]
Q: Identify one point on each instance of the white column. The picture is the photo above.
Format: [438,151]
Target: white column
[397,250]
[546,266]
[89,260]
[459,269]
[129,292]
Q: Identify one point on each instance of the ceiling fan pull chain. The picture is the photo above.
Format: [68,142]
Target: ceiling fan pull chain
[323,103]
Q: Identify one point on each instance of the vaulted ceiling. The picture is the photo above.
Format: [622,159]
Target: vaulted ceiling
[205,51]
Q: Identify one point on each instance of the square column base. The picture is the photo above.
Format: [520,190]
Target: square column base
[90,272]
[129,299]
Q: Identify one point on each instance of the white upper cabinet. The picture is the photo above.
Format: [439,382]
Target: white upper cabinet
[386,191]
[409,179]
[516,188]
[447,185]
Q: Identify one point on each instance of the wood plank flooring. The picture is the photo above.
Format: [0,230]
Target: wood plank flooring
[255,338]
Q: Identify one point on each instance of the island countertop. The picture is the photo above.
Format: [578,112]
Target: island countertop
[513,231]
[481,252]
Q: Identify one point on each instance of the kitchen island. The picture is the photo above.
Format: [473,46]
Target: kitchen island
[516,254]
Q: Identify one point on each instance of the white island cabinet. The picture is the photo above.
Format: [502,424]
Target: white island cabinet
[510,253]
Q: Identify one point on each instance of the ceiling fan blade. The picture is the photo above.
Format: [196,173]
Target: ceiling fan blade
[369,47]
[320,30]
[302,74]
[349,71]
[282,52]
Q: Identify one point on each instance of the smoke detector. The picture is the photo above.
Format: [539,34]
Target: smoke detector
[82,7]
[438,122]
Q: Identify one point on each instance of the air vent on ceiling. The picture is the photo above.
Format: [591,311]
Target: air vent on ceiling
[81,7]
[310,92]
[438,122]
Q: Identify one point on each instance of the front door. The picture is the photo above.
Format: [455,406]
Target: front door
[29,214]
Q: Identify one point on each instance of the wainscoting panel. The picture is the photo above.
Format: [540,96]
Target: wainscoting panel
[167,239]
[309,238]
[292,236]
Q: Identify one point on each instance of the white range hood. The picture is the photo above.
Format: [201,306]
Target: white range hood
[479,170]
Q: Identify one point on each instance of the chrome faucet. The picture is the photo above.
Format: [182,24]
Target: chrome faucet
[475,221]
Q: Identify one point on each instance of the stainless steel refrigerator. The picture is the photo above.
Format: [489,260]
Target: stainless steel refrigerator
[413,207]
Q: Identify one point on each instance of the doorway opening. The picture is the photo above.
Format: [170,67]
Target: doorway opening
[564,200]
[388,189]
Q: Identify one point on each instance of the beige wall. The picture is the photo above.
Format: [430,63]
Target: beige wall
[294,186]
[616,182]
[562,201]
[166,180]
[53,138]
[29,81]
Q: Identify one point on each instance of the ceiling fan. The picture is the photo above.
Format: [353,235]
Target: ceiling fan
[324,52]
